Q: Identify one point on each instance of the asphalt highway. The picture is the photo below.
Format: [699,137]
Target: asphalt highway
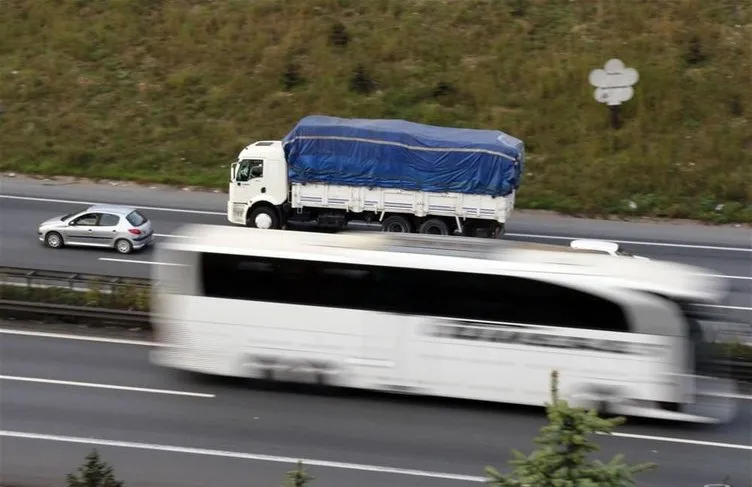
[241,434]
[60,397]
[25,203]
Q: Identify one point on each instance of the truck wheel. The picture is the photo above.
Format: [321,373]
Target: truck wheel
[496,230]
[435,226]
[397,223]
[263,217]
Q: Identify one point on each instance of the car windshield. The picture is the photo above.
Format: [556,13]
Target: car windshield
[136,219]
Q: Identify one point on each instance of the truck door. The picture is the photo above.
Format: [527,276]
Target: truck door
[249,181]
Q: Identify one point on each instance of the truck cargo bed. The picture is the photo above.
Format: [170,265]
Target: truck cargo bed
[419,203]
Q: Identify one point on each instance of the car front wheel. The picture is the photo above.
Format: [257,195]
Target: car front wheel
[53,240]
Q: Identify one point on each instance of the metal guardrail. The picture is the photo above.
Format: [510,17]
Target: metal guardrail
[738,369]
[17,276]
[74,314]
[73,297]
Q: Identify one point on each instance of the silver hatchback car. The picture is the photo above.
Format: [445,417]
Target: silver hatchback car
[120,227]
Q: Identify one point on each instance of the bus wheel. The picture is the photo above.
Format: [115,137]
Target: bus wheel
[435,226]
[398,224]
[263,217]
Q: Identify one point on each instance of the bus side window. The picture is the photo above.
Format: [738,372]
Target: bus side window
[425,292]
[489,297]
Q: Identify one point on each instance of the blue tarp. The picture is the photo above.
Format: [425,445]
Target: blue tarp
[403,155]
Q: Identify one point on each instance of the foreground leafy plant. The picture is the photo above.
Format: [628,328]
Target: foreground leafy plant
[565,444]
[93,473]
[298,477]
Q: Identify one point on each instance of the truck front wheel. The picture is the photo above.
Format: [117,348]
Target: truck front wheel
[263,217]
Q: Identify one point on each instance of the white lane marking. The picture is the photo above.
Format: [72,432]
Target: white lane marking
[243,456]
[147,343]
[741,397]
[549,237]
[77,202]
[136,261]
[723,306]
[667,439]
[637,242]
[104,386]
[83,338]
[722,276]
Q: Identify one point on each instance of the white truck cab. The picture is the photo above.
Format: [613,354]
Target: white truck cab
[258,180]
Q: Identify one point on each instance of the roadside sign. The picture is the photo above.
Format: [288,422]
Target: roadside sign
[613,84]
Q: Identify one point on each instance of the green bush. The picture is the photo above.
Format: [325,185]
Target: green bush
[565,444]
[128,298]
[298,477]
[171,91]
[93,473]
[736,351]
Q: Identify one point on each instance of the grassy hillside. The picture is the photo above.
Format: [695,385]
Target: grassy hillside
[170,90]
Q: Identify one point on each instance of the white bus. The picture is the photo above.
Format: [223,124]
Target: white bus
[443,316]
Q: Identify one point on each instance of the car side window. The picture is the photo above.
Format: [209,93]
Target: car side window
[87,220]
[108,220]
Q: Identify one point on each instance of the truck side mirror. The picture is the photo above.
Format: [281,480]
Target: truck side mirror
[233,171]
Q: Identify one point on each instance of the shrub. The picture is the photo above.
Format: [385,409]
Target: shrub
[562,459]
[93,473]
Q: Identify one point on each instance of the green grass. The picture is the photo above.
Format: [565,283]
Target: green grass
[170,91]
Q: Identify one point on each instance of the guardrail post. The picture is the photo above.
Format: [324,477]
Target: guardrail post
[115,287]
[29,277]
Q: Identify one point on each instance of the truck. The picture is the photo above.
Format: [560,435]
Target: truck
[406,176]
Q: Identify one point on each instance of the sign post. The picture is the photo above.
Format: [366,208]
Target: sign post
[613,86]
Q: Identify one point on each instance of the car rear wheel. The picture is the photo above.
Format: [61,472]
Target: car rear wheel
[53,240]
[123,246]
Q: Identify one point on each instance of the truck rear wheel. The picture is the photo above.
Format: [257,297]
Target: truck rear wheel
[397,223]
[263,217]
[496,230]
[435,226]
